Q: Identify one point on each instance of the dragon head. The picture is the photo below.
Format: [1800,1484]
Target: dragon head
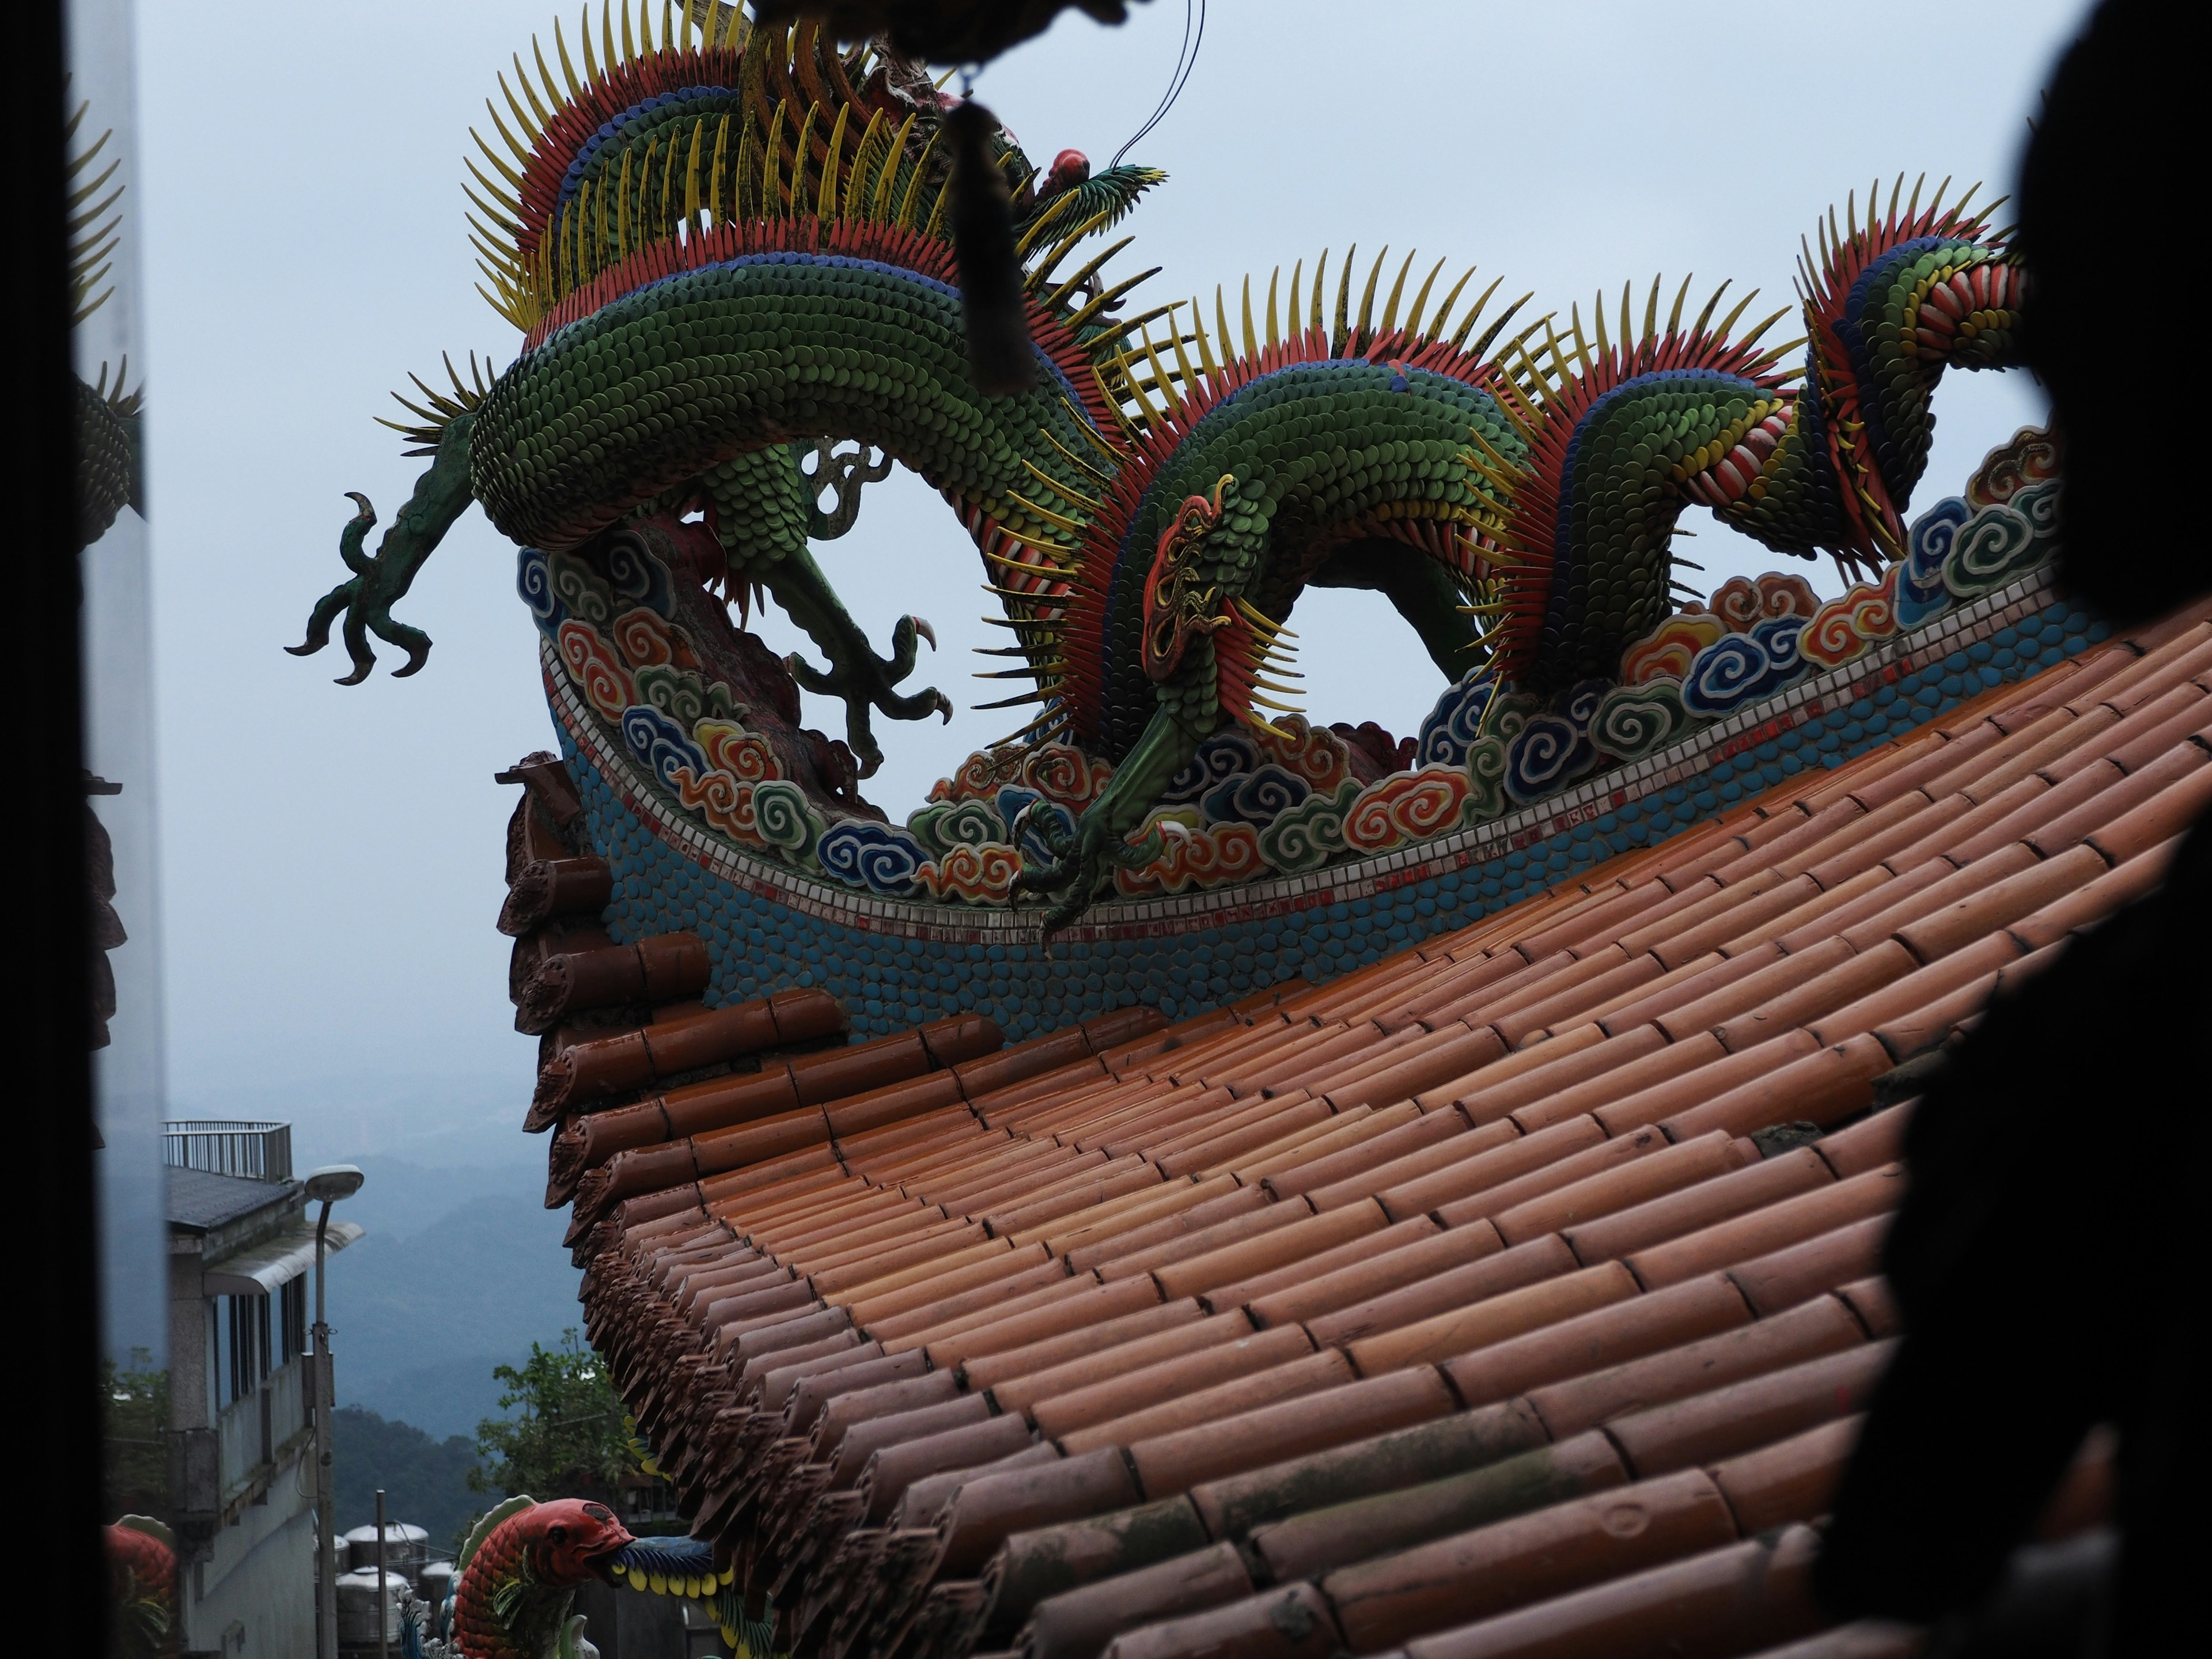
[571,1541]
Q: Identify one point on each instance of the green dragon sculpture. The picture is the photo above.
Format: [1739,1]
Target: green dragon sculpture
[727,251]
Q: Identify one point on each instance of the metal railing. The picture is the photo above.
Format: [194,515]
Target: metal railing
[258,1152]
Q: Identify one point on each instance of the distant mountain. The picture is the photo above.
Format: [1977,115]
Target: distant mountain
[421,1309]
[425,1481]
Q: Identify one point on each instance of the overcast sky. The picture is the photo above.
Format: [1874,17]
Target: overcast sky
[332,856]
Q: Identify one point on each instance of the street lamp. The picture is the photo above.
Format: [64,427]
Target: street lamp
[328,1184]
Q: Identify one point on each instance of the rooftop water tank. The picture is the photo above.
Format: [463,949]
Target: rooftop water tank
[357,1606]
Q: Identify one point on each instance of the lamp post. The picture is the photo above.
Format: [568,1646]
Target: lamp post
[328,1184]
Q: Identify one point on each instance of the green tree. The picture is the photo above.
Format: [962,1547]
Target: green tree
[567,1437]
[135,1475]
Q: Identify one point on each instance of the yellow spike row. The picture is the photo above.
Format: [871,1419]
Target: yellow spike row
[1728,322]
[825,208]
[531,125]
[1161,379]
[1367,297]
[1102,480]
[561,45]
[714,178]
[1698,328]
[1321,274]
[887,177]
[1077,319]
[691,177]
[1058,521]
[1340,336]
[1397,293]
[1067,491]
[1275,276]
[1421,300]
[1058,297]
[1175,335]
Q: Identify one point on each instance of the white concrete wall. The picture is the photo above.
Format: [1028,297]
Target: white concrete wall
[255,1595]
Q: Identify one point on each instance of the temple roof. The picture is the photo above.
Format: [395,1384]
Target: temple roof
[1516,1290]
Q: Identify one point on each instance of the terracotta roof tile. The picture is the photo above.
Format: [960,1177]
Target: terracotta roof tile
[1374,1275]
[1760,1232]
[1445,1261]
[1561,1548]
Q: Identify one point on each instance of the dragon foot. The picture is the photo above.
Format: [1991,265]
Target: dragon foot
[441,495]
[1081,862]
[364,615]
[864,682]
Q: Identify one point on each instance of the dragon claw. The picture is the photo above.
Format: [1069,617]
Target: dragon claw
[864,683]
[366,599]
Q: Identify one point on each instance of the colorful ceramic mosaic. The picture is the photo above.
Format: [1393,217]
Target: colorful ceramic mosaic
[895,963]
[727,251]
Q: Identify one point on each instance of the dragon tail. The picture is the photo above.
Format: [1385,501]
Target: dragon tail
[1617,425]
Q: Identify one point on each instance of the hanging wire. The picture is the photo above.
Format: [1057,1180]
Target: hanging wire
[1186,60]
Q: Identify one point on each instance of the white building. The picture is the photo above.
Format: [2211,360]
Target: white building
[241,1259]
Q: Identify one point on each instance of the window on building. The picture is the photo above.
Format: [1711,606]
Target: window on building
[292,1321]
[243,1347]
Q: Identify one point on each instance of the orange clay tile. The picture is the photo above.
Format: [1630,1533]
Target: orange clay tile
[2157,726]
[1480,1167]
[1760,1232]
[1838,984]
[1180,1458]
[1252,1220]
[1331,1222]
[1755,1412]
[1798,1272]
[1660,1101]
[952,1301]
[1917,989]
[1757,1184]
[1459,1151]
[2171,774]
[1820,1327]
[1017,1389]
[1793,1481]
[1290,1623]
[1564,1009]
[1572,1056]
[1118,1389]
[1346,1164]
[1351,1131]
[2085,906]
[1625,1331]
[1197,1275]
[1463,1330]
[1640,1059]
[1824,1088]
[1091,1317]
[1350,1286]
[1527,1559]
[1364,1247]
[1185,1400]
[1744,1598]
[1630,1181]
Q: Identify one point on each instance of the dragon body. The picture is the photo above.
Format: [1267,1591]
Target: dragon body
[727,252]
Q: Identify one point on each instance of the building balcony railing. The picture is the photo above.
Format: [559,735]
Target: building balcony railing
[257,1151]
